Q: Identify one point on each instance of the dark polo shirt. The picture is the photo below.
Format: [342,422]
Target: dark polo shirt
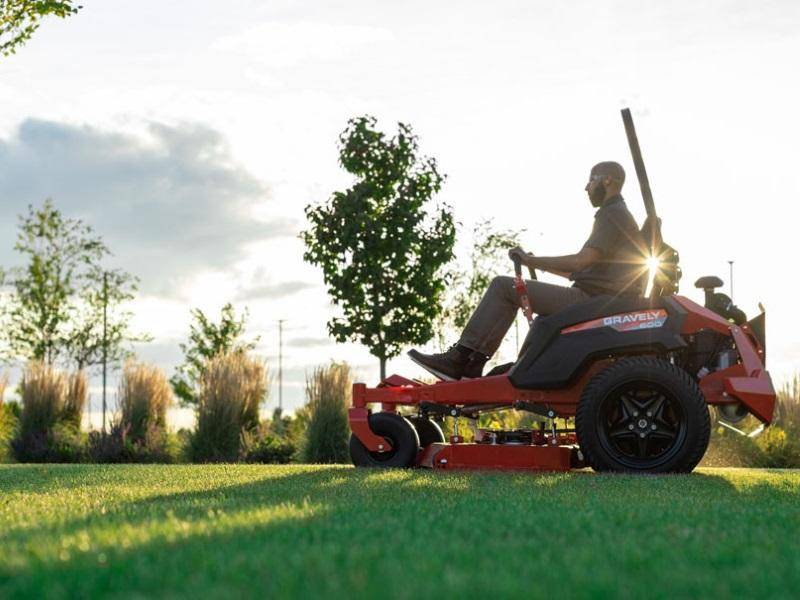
[620,269]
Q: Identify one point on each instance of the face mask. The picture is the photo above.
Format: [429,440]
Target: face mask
[598,195]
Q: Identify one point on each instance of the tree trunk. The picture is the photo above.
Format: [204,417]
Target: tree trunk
[383,367]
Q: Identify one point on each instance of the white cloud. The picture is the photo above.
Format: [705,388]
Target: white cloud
[170,204]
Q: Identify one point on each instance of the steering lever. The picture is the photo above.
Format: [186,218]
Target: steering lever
[522,291]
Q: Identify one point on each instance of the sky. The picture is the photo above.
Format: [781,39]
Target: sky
[192,134]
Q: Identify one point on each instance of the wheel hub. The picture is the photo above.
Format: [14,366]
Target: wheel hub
[641,423]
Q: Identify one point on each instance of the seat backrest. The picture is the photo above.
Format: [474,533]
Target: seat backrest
[666,280]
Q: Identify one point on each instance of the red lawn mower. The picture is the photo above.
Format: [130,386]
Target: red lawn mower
[634,374]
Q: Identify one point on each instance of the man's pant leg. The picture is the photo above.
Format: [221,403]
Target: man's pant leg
[497,309]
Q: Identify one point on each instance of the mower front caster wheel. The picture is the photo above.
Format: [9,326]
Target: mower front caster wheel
[428,431]
[398,432]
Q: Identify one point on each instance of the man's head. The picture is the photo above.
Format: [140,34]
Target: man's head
[605,180]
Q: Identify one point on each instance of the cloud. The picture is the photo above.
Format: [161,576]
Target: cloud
[271,291]
[168,204]
[309,342]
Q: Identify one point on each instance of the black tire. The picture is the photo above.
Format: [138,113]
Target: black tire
[400,434]
[643,415]
[427,431]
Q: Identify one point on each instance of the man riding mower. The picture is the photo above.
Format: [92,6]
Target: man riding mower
[633,365]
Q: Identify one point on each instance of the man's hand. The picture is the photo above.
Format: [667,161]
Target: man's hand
[524,257]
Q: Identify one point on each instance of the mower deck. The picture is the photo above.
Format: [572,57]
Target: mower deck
[499,457]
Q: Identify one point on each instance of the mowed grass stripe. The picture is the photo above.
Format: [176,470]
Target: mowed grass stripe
[251,530]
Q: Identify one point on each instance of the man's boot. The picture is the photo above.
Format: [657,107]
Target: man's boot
[474,367]
[459,361]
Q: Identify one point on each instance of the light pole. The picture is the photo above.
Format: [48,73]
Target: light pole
[105,342]
[280,364]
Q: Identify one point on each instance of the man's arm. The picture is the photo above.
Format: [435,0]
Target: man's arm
[564,265]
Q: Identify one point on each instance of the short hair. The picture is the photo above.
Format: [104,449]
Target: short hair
[610,169]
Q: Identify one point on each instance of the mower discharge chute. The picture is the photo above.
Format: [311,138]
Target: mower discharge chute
[629,378]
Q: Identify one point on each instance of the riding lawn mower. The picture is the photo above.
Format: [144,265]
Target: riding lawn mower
[616,383]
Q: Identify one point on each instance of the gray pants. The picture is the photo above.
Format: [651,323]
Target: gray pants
[498,308]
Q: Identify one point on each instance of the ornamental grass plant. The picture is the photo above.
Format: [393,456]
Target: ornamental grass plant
[49,424]
[144,397]
[787,409]
[230,394]
[76,398]
[328,392]
[139,434]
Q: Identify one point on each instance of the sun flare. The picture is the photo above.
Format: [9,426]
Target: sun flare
[652,264]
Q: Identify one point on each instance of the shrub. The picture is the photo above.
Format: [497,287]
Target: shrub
[230,394]
[264,447]
[66,443]
[118,446]
[49,424]
[328,394]
[780,450]
[8,425]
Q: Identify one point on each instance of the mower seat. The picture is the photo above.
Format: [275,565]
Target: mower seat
[550,359]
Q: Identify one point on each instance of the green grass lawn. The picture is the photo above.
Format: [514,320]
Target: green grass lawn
[256,531]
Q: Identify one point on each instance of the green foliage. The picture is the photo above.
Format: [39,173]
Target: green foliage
[291,427]
[466,284]
[232,388]
[263,447]
[208,339]
[55,313]
[780,448]
[62,443]
[8,427]
[19,19]
[153,445]
[328,391]
[380,244]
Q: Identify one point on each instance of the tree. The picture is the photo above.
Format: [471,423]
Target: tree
[19,19]
[110,289]
[488,257]
[207,340]
[380,244]
[55,311]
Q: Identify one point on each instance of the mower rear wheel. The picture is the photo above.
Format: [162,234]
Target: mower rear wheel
[643,415]
[400,434]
